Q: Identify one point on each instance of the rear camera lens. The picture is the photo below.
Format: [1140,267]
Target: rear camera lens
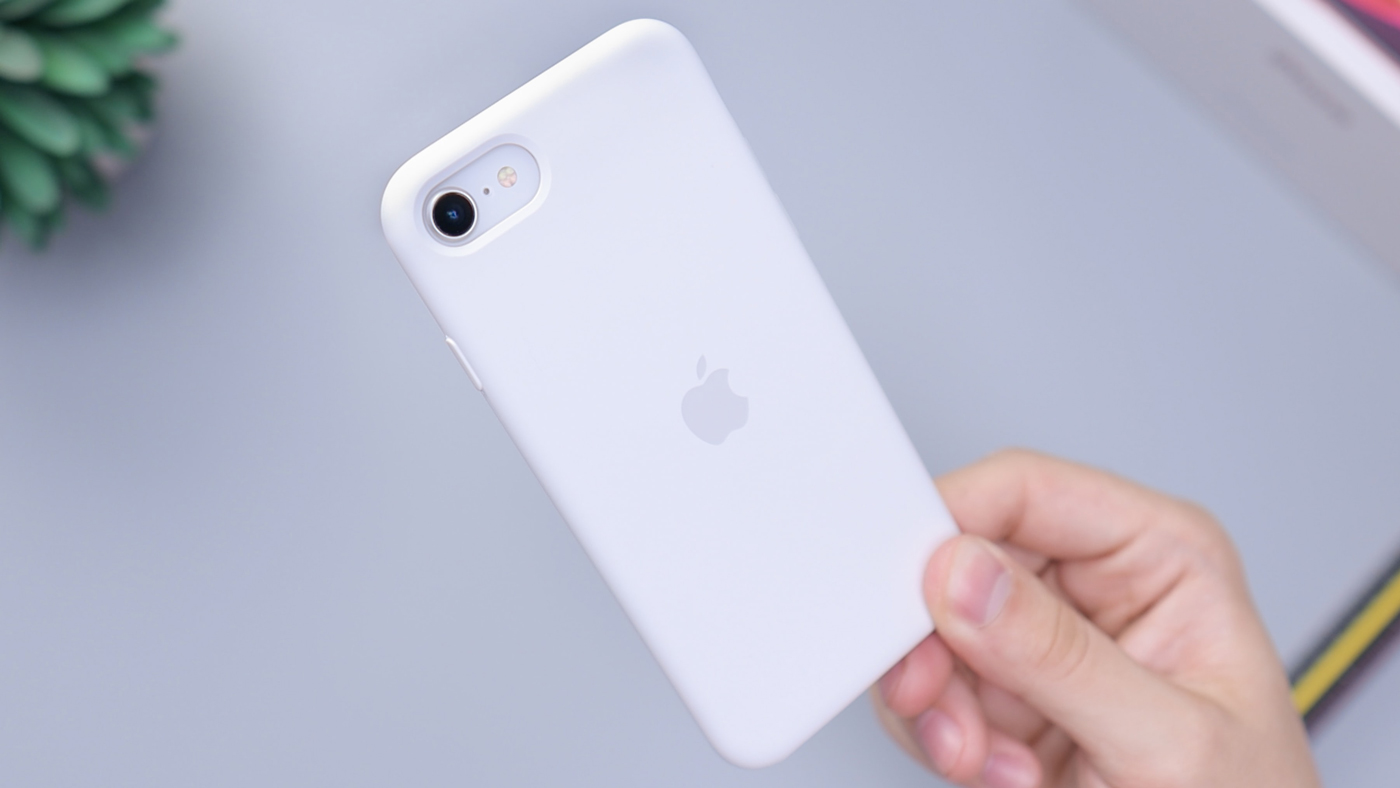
[454,215]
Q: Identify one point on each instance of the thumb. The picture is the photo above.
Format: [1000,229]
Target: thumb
[1010,629]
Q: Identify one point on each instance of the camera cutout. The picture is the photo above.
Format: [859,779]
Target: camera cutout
[504,179]
[454,214]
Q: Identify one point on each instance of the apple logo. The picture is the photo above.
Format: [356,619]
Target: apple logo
[711,410]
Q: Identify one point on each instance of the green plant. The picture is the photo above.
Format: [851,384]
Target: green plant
[72,94]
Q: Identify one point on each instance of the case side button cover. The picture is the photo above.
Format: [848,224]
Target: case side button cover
[462,359]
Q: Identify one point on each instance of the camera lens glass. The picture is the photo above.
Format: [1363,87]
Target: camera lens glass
[454,215]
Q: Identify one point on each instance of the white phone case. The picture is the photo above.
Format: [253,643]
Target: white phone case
[767,534]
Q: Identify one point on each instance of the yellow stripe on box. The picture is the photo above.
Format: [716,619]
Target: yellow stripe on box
[1353,642]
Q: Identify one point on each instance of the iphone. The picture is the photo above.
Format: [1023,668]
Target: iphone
[620,283]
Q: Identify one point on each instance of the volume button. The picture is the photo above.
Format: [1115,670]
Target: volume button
[462,359]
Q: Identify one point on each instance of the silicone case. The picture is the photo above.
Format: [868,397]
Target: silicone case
[775,574]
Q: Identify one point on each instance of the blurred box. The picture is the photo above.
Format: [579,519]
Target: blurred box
[1314,85]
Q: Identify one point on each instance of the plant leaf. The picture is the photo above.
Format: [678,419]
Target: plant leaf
[138,8]
[135,8]
[112,56]
[18,9]
[99,118]
[39,119]
[142,89]
[28,176]
[65,13]
[129,98]
[68,69]
[117,108]
[83,182]
[30,228]
[94,136]
[137,34]
[20,58]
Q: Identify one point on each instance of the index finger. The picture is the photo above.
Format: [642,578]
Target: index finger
[1053,507]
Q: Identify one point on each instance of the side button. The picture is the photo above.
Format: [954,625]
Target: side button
[462,359]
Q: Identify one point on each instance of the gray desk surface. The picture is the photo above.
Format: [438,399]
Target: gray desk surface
[256,527]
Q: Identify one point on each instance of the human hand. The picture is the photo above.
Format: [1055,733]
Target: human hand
[1094,633]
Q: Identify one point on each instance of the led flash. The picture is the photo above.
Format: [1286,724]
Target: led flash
[506,176]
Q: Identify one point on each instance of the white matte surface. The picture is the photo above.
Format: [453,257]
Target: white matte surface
[234,449]
[775,574]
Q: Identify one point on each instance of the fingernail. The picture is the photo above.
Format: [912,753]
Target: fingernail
[1004,770]
[890,681]
[941,738]
[979,585]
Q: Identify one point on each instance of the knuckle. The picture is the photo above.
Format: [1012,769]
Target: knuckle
[1066,651]
[1199,517]
[1014,457]
[1201,520]
[1208,537]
